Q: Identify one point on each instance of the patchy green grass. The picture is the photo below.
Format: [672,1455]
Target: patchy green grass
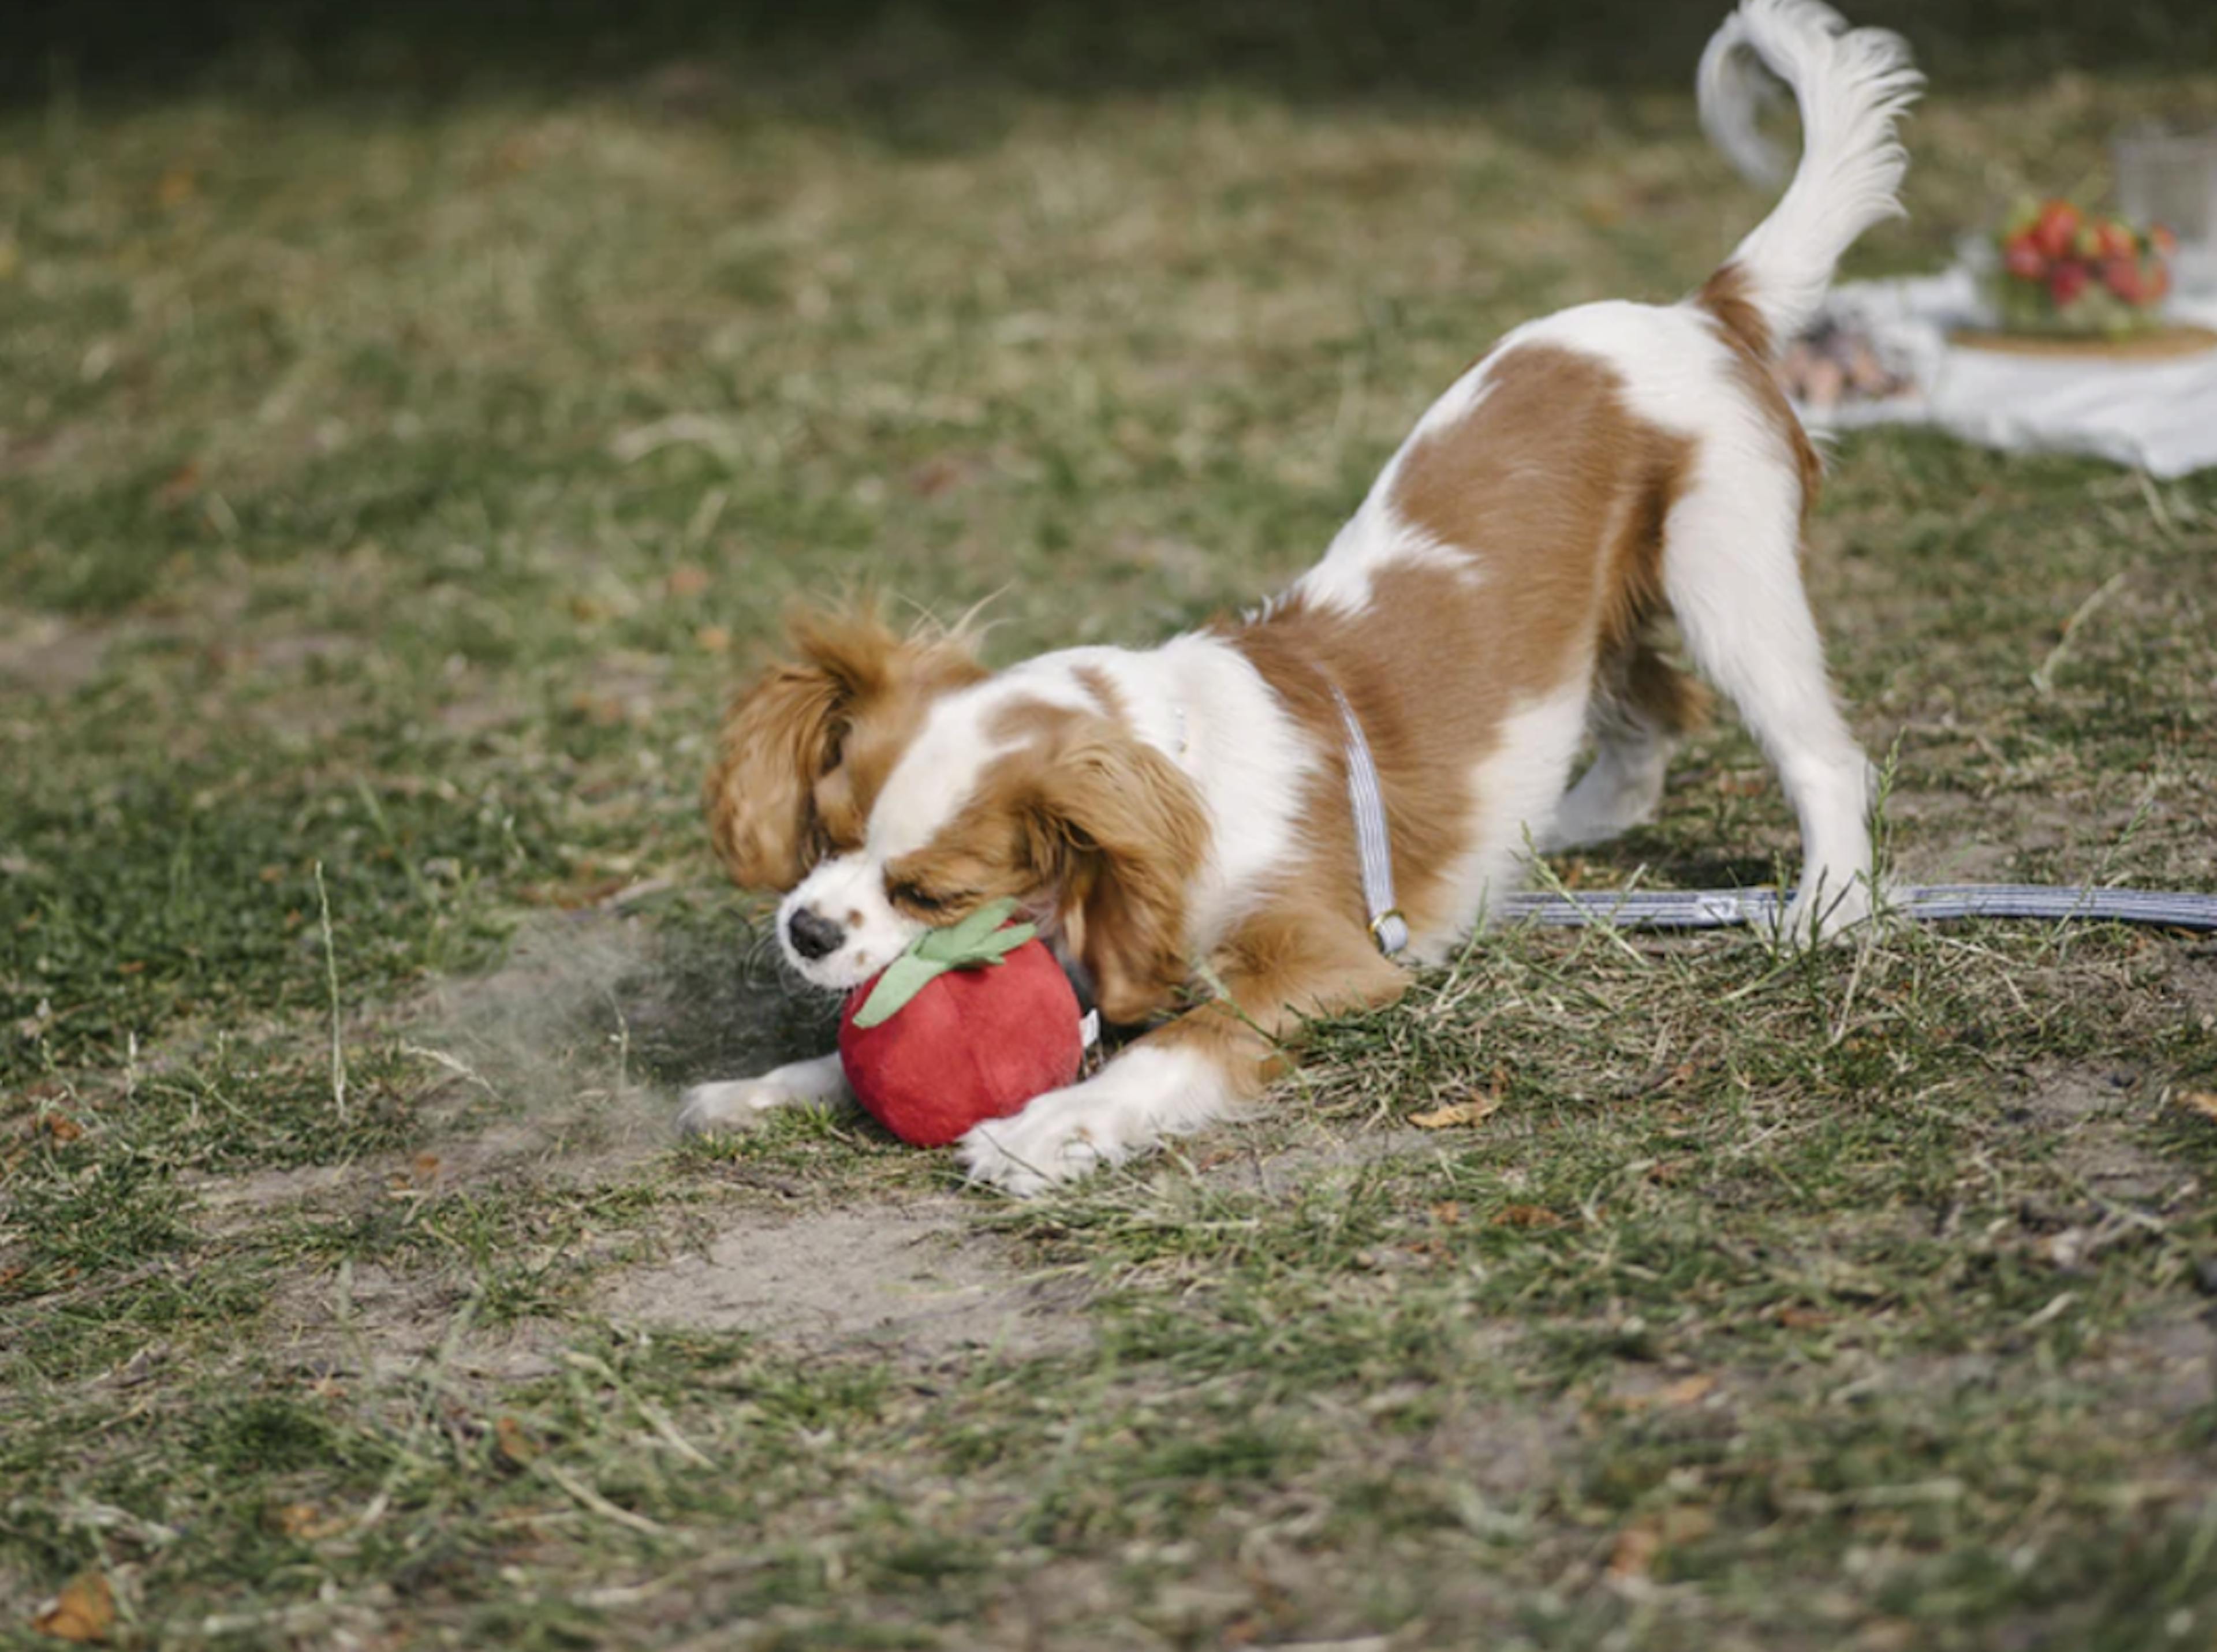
[389,490]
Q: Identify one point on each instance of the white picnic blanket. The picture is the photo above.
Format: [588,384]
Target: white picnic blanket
[2159,415]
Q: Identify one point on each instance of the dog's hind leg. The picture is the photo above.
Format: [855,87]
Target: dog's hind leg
[1731,571]
[1642,706]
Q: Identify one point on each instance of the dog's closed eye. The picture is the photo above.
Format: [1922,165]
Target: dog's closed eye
[924,901]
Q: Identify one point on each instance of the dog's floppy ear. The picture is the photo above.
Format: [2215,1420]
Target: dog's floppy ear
[789,729]
[1118,830]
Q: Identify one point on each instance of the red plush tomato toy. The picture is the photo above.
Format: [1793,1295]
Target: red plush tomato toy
[968,1024]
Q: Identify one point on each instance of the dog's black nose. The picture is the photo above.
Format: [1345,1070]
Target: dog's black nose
[813,935]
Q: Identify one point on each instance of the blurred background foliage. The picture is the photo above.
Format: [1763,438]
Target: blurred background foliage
[865,51]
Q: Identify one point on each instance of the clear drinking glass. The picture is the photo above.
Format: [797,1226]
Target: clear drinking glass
[2170,178]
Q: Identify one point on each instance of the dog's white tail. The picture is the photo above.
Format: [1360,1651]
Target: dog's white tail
[1852,85]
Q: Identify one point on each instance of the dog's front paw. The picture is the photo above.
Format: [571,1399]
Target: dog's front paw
[734,1105]
[1041,1147]
[1127,1107]
[738,1104]
[724,1109]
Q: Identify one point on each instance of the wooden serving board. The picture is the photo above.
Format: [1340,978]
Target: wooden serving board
[2159,344]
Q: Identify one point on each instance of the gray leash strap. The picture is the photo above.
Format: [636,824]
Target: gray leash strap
[1720,909]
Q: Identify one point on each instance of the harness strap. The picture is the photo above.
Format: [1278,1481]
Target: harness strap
[1374,846]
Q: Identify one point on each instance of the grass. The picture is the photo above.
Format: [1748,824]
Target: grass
[391,485]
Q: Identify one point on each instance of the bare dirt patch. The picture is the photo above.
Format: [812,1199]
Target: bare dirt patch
[2164,1367]
[2193,981]
[1956,837]
[2094,1112]
[918,1278]
[377,1323]
[48,655]
[1277,1156]
[580,1150]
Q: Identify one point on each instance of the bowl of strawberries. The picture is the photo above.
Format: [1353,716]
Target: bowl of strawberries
[2063,272]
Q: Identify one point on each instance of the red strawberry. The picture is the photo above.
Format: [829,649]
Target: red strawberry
[2066,282]
[2116,240]
[2122,277]
[2023,259]
[2056,228]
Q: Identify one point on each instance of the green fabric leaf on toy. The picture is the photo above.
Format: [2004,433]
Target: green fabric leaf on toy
[974,944]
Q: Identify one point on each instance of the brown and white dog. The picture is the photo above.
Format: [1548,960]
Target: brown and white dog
[1181,815]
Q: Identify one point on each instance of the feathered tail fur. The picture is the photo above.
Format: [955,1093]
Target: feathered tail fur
[1852,85]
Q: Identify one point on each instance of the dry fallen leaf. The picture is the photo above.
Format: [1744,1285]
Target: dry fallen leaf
[1687,1390]
[687,579]
[1886,1635]
[1527,1216]
[1475,1111]
[514,1446]
[1448,1213]
[1635,1550]
[712,640]
[2202,1101]
[2065,1250]
[181,485]
[299,1519]
[934,477]
[59,1125]
[83,1611]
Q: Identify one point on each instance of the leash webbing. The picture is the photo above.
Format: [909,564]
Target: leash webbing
[1719,909]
